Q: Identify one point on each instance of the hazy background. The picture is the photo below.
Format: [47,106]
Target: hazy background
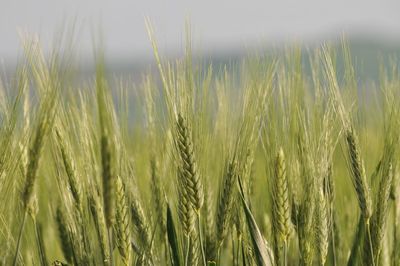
[220,29]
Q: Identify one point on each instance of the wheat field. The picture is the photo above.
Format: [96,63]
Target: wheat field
[264,162]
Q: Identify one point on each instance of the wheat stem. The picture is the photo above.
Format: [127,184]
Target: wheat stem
[201,239]
[110,245]
[21,230]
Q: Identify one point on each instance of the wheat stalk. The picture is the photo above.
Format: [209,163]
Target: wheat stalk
[69,169]
[122,222]
[225,202]
[280,208]
[188,164]
[64,235]
[358,175]
[322,228]
[101,228]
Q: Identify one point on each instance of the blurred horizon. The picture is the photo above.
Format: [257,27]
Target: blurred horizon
[220,30]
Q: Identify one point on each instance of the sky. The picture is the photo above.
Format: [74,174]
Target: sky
[216,26]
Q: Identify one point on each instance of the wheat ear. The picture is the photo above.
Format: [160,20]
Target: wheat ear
[122,223]
[188,163]
[280,208]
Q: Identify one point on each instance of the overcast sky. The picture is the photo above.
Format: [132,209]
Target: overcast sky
[216,25]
